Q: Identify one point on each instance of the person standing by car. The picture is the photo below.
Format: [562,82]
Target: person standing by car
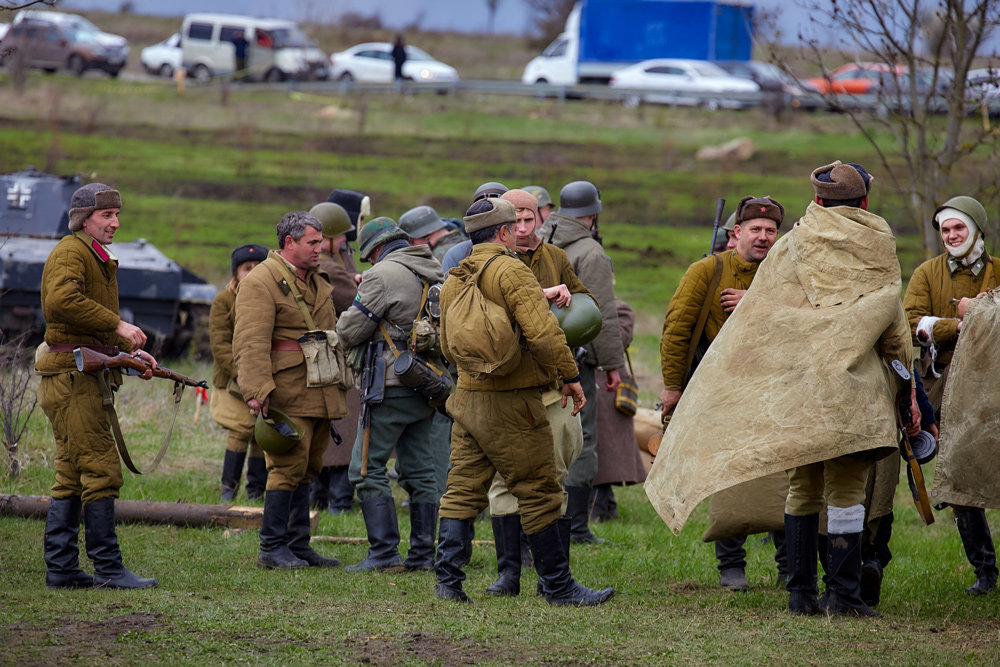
[398,59]
[240,47]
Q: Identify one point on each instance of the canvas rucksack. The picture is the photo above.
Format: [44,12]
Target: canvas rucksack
[481,337]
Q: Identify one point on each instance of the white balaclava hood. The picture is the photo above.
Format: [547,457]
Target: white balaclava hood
[973,246]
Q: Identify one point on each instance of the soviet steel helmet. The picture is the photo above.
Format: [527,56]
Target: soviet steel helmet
[580,320]
[579,199]
[541,194]
[420,221]
[730,222]
[277,433]
[377,232]
[488,190]
[334,217]
[967,205]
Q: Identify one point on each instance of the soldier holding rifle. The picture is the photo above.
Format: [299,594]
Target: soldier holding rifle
[79,295]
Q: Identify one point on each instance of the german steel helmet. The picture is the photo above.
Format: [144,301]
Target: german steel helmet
[580,320]
[334,217]
[578,199]
[277,433]
[377,232]
[967,205]
[420,221]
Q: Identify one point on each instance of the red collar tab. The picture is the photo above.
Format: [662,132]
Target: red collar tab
[99,249]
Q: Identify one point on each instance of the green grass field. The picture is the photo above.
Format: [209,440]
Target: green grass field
[208,170]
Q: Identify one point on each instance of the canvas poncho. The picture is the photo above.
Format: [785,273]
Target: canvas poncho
[797,369]
[967,471]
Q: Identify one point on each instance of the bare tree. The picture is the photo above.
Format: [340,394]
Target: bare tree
[15,411]
[924,51]
[14,5]
[549,16]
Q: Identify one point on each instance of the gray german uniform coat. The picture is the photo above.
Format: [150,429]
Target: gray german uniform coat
[390,292]
[593,266]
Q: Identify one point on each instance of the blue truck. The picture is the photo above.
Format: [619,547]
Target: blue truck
[602,36]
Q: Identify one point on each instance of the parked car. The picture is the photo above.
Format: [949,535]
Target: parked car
[162,58]
[278,49]
[983,84]
[856,79]
[775,81]
[686,83]
[54,40]
[372,63]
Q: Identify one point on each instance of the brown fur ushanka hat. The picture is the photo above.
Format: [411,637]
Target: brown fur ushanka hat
[751,207]
[91,197]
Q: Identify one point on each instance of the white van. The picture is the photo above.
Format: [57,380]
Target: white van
[277,49]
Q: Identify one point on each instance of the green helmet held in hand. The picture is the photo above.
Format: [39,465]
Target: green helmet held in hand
[378,232]
[277,433]
[580,320]
[334,217]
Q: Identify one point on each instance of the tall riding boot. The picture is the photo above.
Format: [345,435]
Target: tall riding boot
[979,549]
[454,551]
[299,529]
[102,548]
[274,551]
[731,557]
[553,569]
[232,470]
[62,551]
[563,525]
[781,555]
[423,524]
[342,493]
[507,539]
[602,502]
[801,535]
[319,489]
[843,588]
[256,477]
[577,500]
[383,536]
[875,555]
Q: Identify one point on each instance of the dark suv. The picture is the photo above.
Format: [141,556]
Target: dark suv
[51,45]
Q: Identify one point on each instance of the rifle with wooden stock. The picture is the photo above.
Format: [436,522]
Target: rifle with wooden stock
[914,475]
[88,360]
[91,361]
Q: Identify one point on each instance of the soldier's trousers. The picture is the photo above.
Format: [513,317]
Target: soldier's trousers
[839,482]
[87,462]
[240,443]
[441,443]
[584,469]
[402,422]
[568,440]
[302,462]
[504,432]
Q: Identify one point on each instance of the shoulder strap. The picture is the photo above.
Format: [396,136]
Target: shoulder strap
[109,406]
[987,274]
[699,328]
[299,300]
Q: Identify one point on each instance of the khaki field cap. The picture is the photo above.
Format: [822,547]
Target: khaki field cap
[751,207]
[839,181]
[90,198]
[502,212]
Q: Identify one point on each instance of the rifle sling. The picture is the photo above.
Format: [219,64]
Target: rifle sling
[109,405]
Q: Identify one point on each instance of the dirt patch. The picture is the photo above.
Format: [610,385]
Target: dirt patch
[425,647]
[72,639]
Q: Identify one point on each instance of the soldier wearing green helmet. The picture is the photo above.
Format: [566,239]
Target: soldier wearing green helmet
[936,299]
[545,205]
[331,489]
[424,226]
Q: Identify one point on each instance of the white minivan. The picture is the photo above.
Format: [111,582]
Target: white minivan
[277,49]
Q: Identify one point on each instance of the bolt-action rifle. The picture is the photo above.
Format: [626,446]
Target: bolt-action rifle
[88,360]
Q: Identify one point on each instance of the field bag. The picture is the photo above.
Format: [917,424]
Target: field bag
[326,360]
[480,335]
[627,394]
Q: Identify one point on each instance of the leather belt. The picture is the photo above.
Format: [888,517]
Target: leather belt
[286,345]
[109,350]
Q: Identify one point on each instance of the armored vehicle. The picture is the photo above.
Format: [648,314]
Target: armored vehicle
[167,301]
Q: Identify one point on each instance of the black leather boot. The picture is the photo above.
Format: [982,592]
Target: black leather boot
[507,539]
[256,477]
[319,489]
[801,543]
[454,551]
[423,524]
[552,566]
[781,556]
[843,588]
[232,470]
[875,555]
[383,536]
[577,500]
[102,548]
[342,492]
[299,530]
[603,506]
[731,557]
[563,525]
[979,549]
[274,552]
[62,551]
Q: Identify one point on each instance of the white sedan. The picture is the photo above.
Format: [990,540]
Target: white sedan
[686,83]
[163,59]
[372,63]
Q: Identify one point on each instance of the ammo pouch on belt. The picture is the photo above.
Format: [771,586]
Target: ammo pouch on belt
[326,361]
[418,375]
